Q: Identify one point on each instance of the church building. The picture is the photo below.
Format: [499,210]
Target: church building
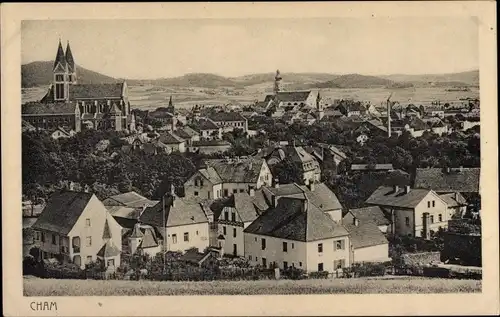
[78,106]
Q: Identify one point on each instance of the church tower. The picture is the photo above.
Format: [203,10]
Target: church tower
[277,82]
[71,66]
[61,76]
[319,107]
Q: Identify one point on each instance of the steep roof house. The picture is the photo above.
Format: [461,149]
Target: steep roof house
[229,121]
[369,244]
[74,227]
[414,212]
[373,214]
[294,232]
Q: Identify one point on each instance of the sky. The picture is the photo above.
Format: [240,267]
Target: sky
[147,49]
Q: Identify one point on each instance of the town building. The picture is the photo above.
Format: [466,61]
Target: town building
[62,133]
[188,134]
[182,224]
[75,106]
[308,165]
[209,147]
[369,244]
[294,232]
[209,130]
[162,119]
[229,121]
[412,212]
[373,214]
[173,141]
[224,177]
[75,227]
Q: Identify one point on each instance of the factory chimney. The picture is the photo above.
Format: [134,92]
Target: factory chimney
[389,116]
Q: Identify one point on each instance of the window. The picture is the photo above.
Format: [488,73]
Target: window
[54,239]
[186,236]
[174,238]
[59,91]
[235,191]
[433,203]
[242,190]
[89,259]
[432,219]
[196,232]
[226,215]
[407,221]
[196,193]
[320,247]
[338,264]
[339,245]
[264,262]
[233,217]
[440,217]
[37,235]
[59,77]
[224,230]
[87,222]
[428,204]
[234,232]
[320,267]
[89,241]
[293,246]
[300,264]
[111,262]
[285,265]
[263,242]
[250,258]
[70,78]
[226,192]
[285,247]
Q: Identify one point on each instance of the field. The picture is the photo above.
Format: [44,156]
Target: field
[54,287]
[151,97]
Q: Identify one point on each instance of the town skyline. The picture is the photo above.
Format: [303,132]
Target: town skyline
[253,46]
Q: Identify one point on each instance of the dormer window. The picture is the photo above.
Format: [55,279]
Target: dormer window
[59,77]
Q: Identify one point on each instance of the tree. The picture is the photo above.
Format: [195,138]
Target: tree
[287,172]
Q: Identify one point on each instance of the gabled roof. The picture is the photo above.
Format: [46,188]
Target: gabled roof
[207,124]
[227,116]
[96,91]
[237,171]
[386,196]
[39,108]
[454,199]
[195,257]
[170,138]
[149,240]
[245,208]
[465,180]
[181,213]
[186,132]
[211,174]
[291,96]
[367,214]
[62,211]
[365,234]
[129,199]
[108,250]
[296,219]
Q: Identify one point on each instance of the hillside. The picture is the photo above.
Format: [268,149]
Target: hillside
[354,81]
[193,80]
[40,74]
[454,79]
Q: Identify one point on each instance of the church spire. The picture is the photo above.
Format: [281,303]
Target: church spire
[277,81]
[60,58]
[69,58]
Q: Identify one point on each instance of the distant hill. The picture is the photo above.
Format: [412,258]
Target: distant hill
[40,74]
[354,81]
[470,78]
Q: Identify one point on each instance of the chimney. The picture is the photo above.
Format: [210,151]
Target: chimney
[407,189]
[276,183]
[311,186]
[355,221]
[251,191]
[396,188]
[108,102]
[388,118]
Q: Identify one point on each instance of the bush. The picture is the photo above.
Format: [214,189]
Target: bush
[293,273]
[318,275]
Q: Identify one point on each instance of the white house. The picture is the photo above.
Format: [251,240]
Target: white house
[62,133]
[182,224]
[294,232]
[229,121]
[413,212]
[224,177]
[173,141]
[76,227]
[369,244]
